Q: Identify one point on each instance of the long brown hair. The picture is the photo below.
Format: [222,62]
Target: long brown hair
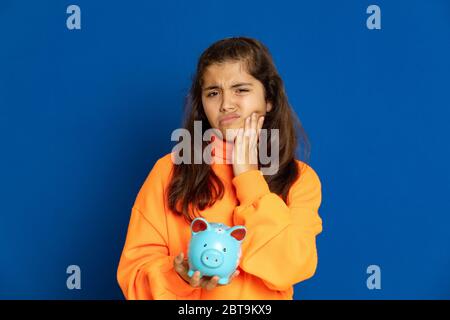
[195,187]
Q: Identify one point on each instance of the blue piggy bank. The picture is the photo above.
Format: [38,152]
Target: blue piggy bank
[214,249]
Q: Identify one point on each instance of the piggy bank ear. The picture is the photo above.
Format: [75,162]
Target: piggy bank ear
[238,232]
[199,225]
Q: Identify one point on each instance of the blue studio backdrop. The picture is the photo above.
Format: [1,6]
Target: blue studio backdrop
[85,113]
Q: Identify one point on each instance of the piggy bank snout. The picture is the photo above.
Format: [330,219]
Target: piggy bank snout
[212,258]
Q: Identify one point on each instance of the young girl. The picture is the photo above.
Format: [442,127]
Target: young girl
[236,89]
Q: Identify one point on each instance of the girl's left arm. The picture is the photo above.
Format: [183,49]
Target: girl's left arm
[280,246]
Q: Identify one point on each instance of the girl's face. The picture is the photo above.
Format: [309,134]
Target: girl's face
[229,95]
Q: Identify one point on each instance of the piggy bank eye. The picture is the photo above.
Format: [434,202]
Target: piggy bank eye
[224,249]
[205,245]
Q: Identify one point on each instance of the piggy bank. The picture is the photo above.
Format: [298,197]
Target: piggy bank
[214,249]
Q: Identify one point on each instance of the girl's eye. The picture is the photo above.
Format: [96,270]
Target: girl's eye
[224,249]
[205,245]
[214,93]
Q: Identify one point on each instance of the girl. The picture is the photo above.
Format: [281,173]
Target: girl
[236,89]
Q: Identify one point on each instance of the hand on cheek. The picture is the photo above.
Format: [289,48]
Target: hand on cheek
[245,152]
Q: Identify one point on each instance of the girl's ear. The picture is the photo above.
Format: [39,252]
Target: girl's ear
[268,106]
[199,225]
[238,232]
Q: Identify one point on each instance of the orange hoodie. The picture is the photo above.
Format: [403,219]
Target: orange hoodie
[278,251]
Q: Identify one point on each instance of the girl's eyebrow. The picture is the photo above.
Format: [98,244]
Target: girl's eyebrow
[240,84]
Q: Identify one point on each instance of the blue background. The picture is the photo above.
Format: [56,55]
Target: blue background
[84,114]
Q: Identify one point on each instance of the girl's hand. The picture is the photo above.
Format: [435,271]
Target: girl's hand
[245,151]
[182,267]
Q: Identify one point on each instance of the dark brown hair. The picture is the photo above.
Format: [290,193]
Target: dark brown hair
[194,187]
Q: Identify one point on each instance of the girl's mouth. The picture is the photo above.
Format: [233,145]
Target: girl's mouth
[229,119]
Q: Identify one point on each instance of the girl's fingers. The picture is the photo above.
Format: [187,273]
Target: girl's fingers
[178,259]
[247,137]
[254,124]
[260,124]
[239,146]
[211,284]
[181,266]
[248,131]
[195,280]
[178,264]
[247,124]
[254,131]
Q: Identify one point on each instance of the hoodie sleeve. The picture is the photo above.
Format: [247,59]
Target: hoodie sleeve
[280,246]
[145,269]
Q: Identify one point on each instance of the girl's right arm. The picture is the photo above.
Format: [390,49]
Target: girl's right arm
[146,270]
